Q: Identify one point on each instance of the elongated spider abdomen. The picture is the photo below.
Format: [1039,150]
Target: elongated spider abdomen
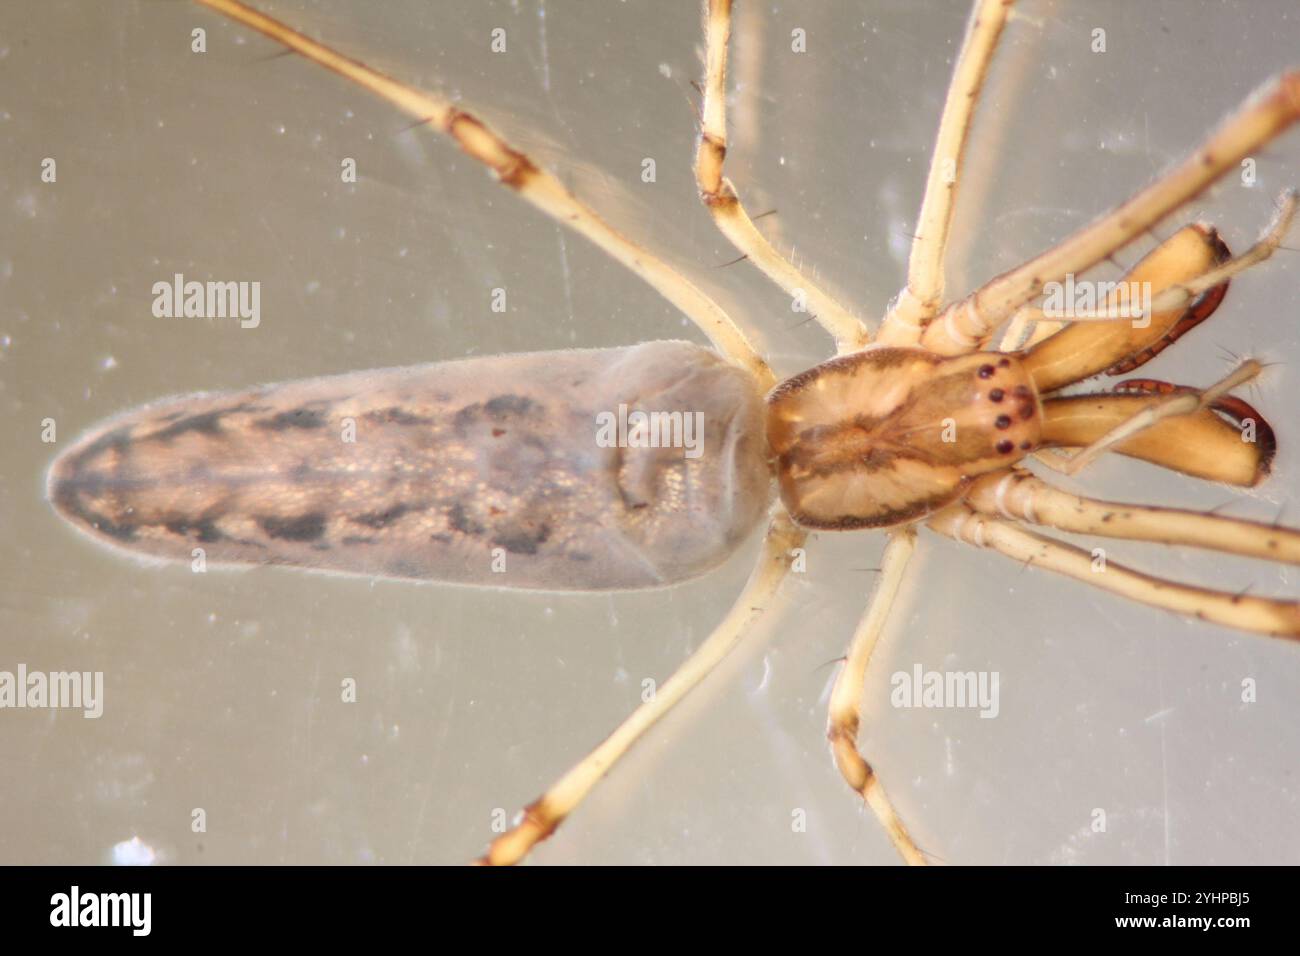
[888,435]
[589,469]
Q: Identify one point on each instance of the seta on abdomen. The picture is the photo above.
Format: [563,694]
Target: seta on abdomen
[484,471]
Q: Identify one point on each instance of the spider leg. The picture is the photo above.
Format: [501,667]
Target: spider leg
[1082,349]
[1263,249]
[922,297]
[1026,330]
[846,697]
[516,171]
[1189,275]
[1240,611]
[1022,496]
[541,817]
[719,196]
[966,325]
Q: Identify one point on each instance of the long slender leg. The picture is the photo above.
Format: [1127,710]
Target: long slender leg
[966,325]
[541,817]
[1019,65]
[1183,293]
[1239,611]
[1086,348]
[1263,249]
[922,297]
[719,196]
[846,697]
[517,172]
[1025,330]
[1021,496]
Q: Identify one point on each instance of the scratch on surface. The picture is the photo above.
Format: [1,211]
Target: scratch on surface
[824,697]
[431,783]
[312,703]
[1158,715]
[767,674]
[1164,758]
[541,42]
[564,268]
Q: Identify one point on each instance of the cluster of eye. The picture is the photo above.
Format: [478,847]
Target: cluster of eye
[996,395]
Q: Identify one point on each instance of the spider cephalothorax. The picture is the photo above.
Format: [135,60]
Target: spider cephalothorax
[886,435]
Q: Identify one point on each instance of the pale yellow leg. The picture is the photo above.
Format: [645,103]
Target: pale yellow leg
[1239,611]
[922,297]
[1263,249]
[966,325]
[719,196]
[517,172]
[1022,496]
[1183,293]
[846,697]
[541,818]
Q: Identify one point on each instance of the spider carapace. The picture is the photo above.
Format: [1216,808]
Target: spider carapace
[888,435]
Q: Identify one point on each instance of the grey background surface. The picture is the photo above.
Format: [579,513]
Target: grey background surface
[223,689]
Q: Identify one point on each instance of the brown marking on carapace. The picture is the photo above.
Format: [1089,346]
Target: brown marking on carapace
[887,435]
[451,461]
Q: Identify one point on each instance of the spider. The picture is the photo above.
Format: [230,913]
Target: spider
[783,537]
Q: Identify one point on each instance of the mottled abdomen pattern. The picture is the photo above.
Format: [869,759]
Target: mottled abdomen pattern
[483,471]
[888,435]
